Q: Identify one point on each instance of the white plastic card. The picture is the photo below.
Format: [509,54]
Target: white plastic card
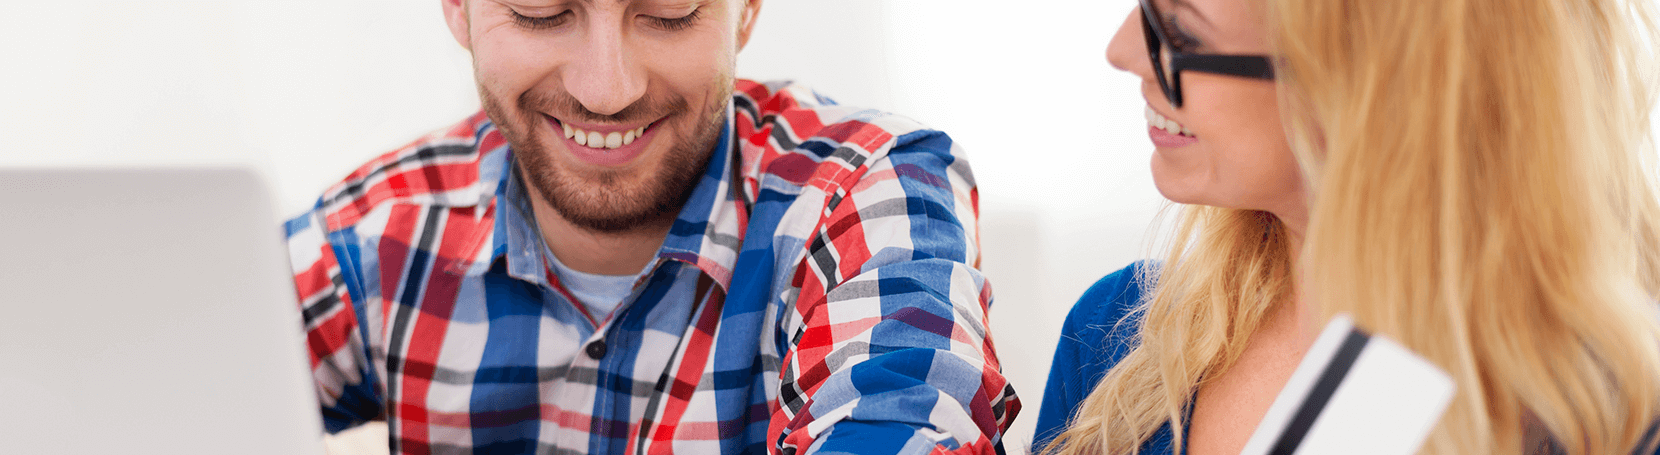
[1354,393]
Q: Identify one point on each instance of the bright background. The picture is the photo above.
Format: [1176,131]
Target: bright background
[306,90]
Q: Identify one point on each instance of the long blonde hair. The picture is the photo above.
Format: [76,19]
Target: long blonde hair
[1482,192]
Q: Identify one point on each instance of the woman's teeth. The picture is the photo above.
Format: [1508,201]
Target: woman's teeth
[1168,125]
[602,141]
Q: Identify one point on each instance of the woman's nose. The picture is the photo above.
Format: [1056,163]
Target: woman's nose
[1128,49]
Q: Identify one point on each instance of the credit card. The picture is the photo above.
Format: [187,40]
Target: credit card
[1354,393]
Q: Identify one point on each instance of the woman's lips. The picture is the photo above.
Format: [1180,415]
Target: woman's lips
[1162,138]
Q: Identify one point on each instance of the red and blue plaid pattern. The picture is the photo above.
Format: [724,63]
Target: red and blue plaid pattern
[817,294]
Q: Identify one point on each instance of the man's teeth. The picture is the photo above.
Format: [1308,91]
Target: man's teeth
[1168,125]
[602,141]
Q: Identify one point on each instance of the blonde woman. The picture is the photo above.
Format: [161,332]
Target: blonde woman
[1467,177]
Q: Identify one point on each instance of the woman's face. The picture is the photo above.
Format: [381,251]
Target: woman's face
[1232,151]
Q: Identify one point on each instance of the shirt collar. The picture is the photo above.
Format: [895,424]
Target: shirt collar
[706,234]
[519,239]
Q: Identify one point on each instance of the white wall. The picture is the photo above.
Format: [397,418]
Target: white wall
[303,89]
[308,89]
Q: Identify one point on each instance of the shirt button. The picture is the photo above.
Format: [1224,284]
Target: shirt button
[596,349]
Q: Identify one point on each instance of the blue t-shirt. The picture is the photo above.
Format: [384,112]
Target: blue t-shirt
[1097,334]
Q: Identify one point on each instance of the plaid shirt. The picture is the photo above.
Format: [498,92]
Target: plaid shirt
[817,294]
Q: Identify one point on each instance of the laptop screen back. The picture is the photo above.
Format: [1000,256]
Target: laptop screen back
[148,311]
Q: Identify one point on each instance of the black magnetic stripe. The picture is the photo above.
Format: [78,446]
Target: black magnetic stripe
[1324,387]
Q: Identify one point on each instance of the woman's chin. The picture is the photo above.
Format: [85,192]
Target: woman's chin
[1178,188]
[1183,197]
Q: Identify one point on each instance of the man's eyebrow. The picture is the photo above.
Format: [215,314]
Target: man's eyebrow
[1196,12]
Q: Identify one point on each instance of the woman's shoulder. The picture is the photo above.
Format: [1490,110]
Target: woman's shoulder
[1098,333]
[1103,309]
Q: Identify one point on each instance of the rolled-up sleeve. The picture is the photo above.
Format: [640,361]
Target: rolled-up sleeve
[324,265]
[890,350]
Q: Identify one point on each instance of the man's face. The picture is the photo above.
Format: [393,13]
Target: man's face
[612,107]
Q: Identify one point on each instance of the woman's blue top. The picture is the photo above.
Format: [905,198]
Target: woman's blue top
[1095,337]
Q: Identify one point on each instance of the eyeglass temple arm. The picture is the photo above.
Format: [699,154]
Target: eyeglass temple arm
[1234,65]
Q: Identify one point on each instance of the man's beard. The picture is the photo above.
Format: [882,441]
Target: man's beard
[605,201]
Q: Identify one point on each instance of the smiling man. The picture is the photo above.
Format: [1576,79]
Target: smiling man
[631,251]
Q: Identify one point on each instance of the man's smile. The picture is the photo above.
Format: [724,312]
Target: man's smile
[605,145]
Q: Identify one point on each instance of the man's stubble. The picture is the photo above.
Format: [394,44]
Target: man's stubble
[603,201]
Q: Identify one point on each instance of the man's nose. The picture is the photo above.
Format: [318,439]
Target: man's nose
[1128,49]
[604,77]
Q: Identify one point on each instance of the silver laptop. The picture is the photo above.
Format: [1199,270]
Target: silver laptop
[148,311]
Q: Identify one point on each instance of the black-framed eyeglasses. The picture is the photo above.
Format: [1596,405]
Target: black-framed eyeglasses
[1168,63]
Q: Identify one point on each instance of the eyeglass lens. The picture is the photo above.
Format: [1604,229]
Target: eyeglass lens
[1160,54]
